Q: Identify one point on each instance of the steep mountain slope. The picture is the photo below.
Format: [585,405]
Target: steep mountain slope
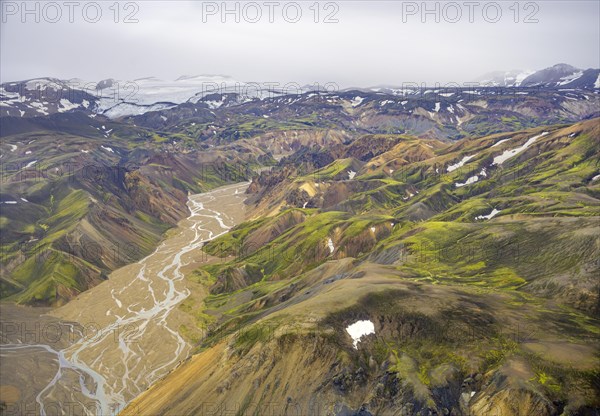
[77,202]
[475,262]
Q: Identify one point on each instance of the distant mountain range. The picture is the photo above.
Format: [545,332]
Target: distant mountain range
[557,76]
[118,98]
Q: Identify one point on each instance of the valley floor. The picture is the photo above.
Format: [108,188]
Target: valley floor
[103,348]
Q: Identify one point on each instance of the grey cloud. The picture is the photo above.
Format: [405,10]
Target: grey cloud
[370,45]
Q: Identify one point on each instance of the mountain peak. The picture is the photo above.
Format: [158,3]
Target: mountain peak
[562,75]
[559,75]
[564,67]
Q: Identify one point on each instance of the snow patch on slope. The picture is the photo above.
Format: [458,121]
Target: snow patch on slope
[469,181]
[488,216]
[460,164]
[330,245]
[359,329]
[498,160]
[356,101]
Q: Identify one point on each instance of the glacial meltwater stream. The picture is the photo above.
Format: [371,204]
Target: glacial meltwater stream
[125,335]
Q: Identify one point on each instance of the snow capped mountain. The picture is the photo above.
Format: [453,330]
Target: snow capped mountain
[43,96]
[153,90]
[557,76]
[151,94]
[563,76]
[118,98]
[512,78]
[111,97]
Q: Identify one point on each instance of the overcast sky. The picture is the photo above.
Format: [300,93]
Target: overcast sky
[372,43]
